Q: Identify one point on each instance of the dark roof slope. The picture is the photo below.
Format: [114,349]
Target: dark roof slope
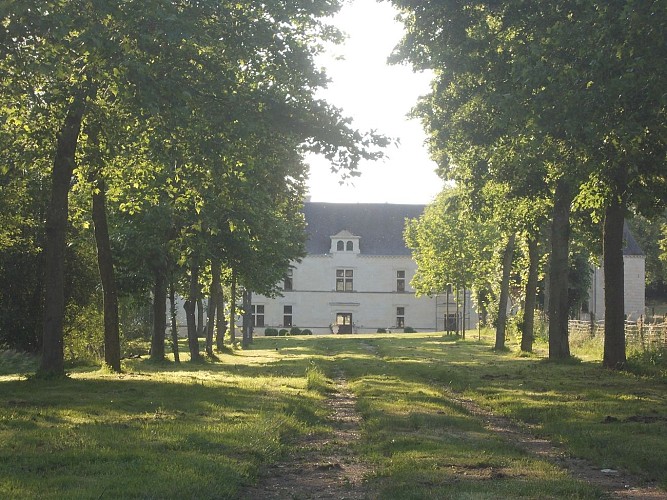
[631,246]
[379,225]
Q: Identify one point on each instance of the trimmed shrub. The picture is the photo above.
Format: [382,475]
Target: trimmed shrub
[409,329]
[282,332]
[306,331]
[381,330]
[295,331]
[271,332]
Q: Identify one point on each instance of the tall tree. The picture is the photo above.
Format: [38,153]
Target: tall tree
[540,76]
[199,75]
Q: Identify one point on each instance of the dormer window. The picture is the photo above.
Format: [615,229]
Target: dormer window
[346,242]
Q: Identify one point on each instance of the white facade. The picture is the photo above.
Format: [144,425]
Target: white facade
[355,278]
[634,287]
[634,275]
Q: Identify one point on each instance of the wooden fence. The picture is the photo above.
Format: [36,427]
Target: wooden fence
[637,333]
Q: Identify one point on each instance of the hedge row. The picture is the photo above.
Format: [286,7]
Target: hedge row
[273,332]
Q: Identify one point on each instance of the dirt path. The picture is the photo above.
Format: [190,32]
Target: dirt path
[617,484]
[324,467]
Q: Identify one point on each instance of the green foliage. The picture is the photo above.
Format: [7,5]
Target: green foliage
[197,117]
[283,332]
[12,362]
[381,330]
[306,331]
[650,234]
[84,333]
[135,317]
[295,331]
[270,332]
[409,329]
[530,103]
[649,362]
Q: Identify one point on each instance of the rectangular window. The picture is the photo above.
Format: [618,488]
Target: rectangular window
[400,317]
[287,286]
[400,281]
[344,280]
[258,315]
[287,316]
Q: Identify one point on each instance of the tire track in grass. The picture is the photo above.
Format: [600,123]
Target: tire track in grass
[324,467]
[616,483]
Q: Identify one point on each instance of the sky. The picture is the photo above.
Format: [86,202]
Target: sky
[377,96]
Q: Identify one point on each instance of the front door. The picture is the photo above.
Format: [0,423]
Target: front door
[344,322]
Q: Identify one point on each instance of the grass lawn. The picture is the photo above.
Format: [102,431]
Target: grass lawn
[205,430]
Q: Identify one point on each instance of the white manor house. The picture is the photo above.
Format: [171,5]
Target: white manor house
[356,277]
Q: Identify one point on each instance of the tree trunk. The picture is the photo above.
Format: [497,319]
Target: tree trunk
[190,309]
[559,347]
[174,324]
[463,319]
[159,311]
[52,360]
[212,306]
[109,289]
[614,305]
[508,254]
[247,316]
[201,327]
[527,328]
[232,310]
[220,323]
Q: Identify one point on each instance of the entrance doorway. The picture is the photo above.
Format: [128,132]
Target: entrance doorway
[344,322]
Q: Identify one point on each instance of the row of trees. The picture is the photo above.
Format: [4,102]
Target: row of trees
[542,114]
[172,134]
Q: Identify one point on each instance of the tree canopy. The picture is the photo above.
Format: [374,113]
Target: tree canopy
[192,119]
[562,101]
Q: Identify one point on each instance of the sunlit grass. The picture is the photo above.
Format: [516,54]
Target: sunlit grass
[203,430]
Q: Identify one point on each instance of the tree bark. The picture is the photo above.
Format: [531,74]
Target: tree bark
[212,306]
[614,304]
[527,328]
[52,361]
[159,311]
[200,317]
[220,323]
[174,324]
[559,347]
[508,254]
[232,310]
[107,277]
[247,316]
[190,309]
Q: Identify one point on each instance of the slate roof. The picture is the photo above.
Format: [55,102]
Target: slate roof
[379,225]
[631,246]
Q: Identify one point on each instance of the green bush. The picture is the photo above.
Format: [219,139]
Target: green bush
[409,329]
[295,331]
[271,332]
[306,331]
[16,362]
[83,338]
[381,330]
[282,332]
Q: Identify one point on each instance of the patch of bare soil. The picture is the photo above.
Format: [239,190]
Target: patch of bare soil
[324,467]
[617,483]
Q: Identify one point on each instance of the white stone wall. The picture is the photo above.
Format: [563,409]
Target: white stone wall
[373,303]
[635,286]
[634,276]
